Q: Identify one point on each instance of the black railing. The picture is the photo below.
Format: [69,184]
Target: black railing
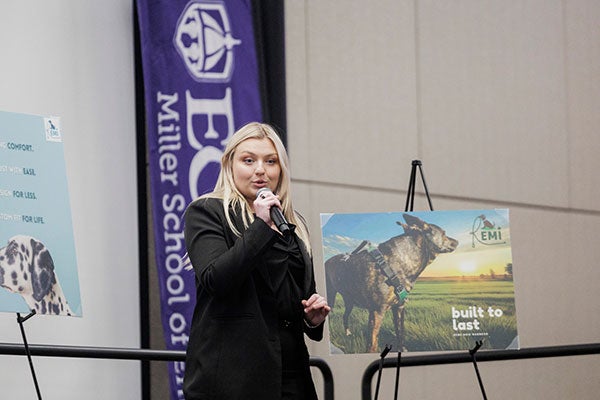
[370,371]
[465,357]
[137,354]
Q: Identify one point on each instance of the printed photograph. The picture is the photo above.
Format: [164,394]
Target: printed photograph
[419,281]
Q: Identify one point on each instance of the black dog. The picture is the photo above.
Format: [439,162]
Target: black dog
[381,278]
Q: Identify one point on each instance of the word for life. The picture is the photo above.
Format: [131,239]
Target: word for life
[30,219]
[473,314]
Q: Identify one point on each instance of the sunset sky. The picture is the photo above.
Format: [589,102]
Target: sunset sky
[473,256]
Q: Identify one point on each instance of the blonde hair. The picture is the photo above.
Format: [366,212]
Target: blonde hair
[226,190]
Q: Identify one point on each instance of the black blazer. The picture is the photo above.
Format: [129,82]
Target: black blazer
[234,350]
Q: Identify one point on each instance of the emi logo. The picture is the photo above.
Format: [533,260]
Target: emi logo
[486,232]
[52,129]
[204,41]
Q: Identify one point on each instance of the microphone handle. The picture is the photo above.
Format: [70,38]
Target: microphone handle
[279,220]
[276,215]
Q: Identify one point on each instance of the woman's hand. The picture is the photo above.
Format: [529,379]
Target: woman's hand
[315,309]
[262,207]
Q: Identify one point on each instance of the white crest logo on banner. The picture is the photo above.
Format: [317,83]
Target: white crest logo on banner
[204,41]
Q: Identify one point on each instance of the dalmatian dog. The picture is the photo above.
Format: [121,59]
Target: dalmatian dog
[27,268]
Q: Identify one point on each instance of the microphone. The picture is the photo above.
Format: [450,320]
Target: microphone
[276,215]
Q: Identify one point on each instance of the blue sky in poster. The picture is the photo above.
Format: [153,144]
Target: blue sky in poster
[343,232]
[378,227]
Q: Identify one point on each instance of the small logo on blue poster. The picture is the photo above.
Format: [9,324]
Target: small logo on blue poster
[52,129]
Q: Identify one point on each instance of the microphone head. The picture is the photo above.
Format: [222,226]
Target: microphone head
[262,190]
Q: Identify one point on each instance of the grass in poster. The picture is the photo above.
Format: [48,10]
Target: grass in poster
[429,322]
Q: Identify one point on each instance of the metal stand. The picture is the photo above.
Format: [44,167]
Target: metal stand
[410,196]
[397,381]
[410,202]
[472,352]
[20,320]
[381,357]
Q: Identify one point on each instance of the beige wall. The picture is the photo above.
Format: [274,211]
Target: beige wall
[500,100]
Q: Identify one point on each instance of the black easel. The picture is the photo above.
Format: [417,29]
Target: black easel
[20,320]
[472,352]
[410,202]
[410,196]
[381,357]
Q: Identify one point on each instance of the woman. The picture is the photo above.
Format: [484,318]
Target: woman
[255,287]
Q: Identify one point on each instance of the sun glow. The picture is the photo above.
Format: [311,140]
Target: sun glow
[467,267]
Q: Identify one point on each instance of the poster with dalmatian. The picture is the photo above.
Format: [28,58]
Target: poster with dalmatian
[38,268]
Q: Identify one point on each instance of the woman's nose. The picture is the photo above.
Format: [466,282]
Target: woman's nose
[260,168]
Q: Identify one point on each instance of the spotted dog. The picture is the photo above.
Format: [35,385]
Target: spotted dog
[380,278]
[27,268]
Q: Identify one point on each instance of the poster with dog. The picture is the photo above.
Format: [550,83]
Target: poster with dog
[419,281]
[38,270]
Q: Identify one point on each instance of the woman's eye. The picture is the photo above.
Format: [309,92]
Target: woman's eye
[271,162]
[248,160]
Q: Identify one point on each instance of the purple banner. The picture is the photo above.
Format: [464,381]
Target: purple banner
[201,84]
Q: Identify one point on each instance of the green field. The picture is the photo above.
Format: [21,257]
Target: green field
[429,323]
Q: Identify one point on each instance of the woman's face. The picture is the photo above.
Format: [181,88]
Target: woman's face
[255,165]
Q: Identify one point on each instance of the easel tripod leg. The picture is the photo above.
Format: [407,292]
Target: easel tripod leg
[473,352]
[21,320]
